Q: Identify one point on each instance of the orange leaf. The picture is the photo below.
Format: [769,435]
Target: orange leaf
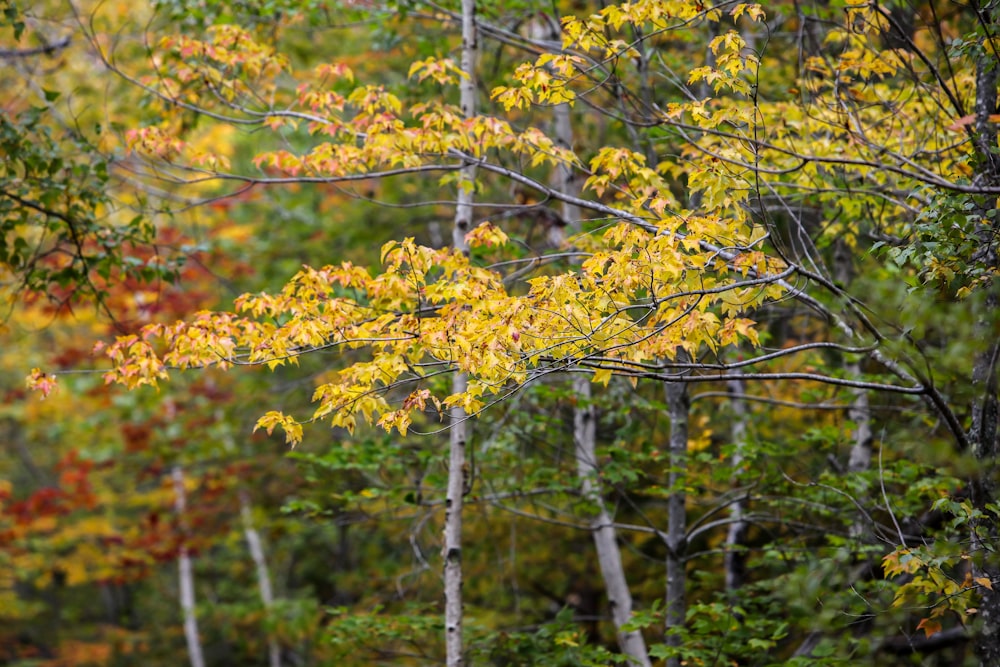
[42,382]
[969,120]
[962,122]
[930,627]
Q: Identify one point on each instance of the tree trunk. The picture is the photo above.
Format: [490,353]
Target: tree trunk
[985,535]
[985,408]
[263,576]
[735,558]
[859,414]
[186,575]
[458,433]
[678,405]
[609,559]
[453,530]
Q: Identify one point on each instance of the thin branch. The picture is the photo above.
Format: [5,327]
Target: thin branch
[44,50]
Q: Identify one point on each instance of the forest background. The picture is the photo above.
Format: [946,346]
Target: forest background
[661,332]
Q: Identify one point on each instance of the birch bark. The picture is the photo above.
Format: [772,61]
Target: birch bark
[631,643]
[609,559]
[186,575]
[678,405]
[256,547]
[735,558]
[859,414]
[458,433]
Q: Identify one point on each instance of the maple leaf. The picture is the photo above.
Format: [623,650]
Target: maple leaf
[292,429]
[40,381]
[929,626]
[486,234]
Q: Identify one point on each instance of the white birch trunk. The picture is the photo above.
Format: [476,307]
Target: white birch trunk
[860,457]
[631,643]
[609,558]
[186,576]
[256,548]
[678,404]
[453,531]
[860,414]
[735,558]
[458,419]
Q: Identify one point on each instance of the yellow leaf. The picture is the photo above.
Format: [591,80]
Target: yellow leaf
[486,234]
[292,429]
[567,639]
[602,376]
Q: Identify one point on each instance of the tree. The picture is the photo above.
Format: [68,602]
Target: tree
[730,210]
[63,234]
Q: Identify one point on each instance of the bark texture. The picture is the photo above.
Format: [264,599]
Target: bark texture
[986,409]
[609,558]
[453,530]
[458,433]
[859,414]
[678,406]
[736,536]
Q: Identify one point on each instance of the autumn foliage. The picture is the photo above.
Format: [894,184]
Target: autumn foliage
[723,325]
